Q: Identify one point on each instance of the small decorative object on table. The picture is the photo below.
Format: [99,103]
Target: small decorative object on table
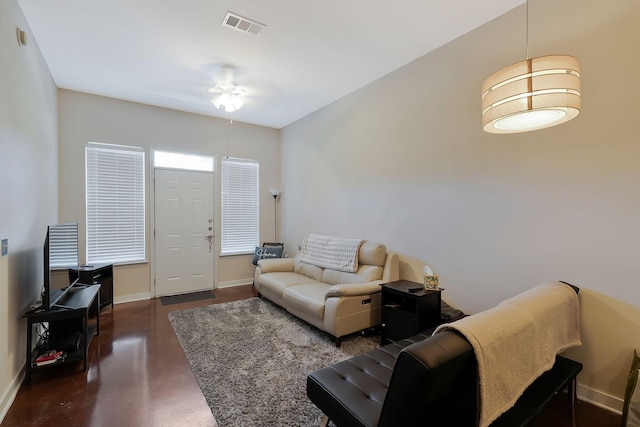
[431,281]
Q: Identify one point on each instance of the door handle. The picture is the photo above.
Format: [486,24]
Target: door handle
[210,239]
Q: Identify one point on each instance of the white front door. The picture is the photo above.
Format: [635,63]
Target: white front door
[184,231]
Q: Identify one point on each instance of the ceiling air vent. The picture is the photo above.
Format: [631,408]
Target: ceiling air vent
[243,24]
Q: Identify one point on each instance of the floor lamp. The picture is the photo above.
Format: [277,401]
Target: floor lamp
[275,193]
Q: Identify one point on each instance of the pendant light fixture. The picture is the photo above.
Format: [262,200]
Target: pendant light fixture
[532,94]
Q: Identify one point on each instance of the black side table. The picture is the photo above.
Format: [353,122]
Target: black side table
[96,274]
[405,312]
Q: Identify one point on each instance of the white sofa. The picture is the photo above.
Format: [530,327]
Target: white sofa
[337,302]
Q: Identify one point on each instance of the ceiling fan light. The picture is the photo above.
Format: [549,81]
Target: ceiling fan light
[225,99]
[229,96]
[237,102]
[229,102]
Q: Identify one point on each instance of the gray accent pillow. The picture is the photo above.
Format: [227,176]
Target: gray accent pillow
[267,252]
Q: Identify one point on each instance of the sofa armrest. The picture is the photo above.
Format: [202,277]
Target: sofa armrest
[354,289]
[275,265]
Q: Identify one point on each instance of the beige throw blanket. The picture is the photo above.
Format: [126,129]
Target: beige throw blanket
[517,341]
[331,252]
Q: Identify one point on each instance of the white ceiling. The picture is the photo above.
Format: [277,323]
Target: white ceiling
[168,52]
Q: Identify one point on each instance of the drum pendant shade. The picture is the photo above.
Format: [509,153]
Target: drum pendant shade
[532,94]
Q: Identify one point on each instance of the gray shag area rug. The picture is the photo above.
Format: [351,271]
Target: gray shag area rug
[251,359]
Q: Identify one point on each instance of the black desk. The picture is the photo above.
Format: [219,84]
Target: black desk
[65,323]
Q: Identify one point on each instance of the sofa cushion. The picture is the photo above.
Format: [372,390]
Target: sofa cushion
[308,298]
[278,282]
[365,273]
[309,270]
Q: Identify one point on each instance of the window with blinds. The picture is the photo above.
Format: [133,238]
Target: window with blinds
[240,210]
[115,203]
[63,245]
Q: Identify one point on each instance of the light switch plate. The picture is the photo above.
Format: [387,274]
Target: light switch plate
[5,246]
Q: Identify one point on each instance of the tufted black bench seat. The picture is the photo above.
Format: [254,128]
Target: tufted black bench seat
[361,381]
[434,383]
[353,392]
[424,380]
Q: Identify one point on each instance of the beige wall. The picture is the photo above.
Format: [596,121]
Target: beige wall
[89,118]
[404,161]
[28,187]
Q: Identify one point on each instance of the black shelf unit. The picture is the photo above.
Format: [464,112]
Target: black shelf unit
[68,320]
[405,313]
[96,274]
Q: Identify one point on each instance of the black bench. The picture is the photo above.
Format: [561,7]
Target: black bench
[539,394]
[425,380]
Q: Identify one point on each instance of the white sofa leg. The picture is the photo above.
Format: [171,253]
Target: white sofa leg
[324,422]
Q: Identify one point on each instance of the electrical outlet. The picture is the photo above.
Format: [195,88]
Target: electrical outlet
[5,246]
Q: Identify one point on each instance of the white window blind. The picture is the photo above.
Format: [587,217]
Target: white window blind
[240,209]
[63,245]
[115,204]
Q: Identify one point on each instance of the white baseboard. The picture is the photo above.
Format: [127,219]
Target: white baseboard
[132,297]
[600,399]
[9,395]
[232,283]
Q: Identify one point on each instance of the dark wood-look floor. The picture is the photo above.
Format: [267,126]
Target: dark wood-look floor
[139,376]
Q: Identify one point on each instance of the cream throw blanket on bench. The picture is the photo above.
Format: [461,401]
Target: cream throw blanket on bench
[335,253]
[517,341]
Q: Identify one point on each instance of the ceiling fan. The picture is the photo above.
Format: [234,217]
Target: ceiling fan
[228,93]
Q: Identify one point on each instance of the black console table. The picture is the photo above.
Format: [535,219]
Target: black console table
[407,308]
[69,327]
[96,274]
